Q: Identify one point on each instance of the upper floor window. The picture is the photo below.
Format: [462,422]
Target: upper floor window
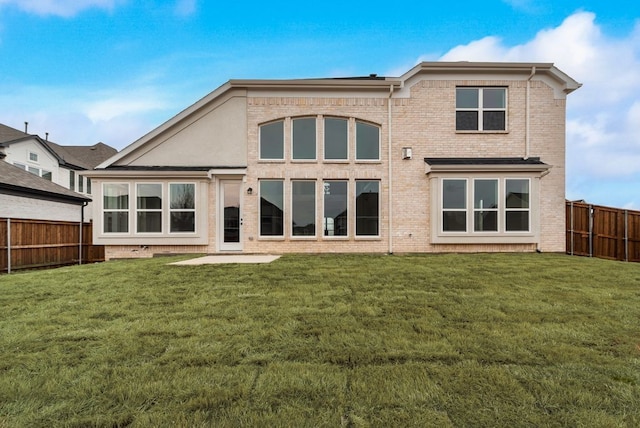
[481,109]
[33,157]
[336,141]
[272,140]
[47,175]
[304,138]
[72,180]
[367,141]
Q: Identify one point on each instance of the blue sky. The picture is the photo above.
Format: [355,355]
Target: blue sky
[112,70]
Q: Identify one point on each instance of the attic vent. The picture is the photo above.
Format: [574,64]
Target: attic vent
[373,75]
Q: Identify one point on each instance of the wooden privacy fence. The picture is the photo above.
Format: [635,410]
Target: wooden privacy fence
[31,244]
[603,232]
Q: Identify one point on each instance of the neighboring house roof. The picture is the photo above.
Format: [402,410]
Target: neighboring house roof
[16,181]
[85,157]
[73,157]
[8,134]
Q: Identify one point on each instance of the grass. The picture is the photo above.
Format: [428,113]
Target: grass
[324,340]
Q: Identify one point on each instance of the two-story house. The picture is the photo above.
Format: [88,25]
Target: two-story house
[447,157]
[62,165]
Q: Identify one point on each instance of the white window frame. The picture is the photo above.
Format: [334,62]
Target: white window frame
[481,109]
[324,142]
[315,209]
[348,208]
[127,210]
[375,125]
[315,137]
[33,157]
[194,210]
[283,141]
[355,209]
[138,210]
[284,213]
[471,236]
[499,210]
[465,209]
[505,209]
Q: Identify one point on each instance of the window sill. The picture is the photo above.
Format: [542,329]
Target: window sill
[486,238]
[270,160]
[304,238]
[270,238]
[366,161]
[339,161]
[482,132]
[368,238]
[304,160]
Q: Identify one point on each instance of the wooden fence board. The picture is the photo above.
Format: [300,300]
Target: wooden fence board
[603,232]
[42,243]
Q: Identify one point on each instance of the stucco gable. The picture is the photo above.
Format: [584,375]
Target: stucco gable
[213,133]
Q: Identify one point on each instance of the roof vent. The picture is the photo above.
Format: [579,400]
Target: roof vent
[373,75]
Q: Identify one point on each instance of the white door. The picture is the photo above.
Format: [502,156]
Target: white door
[230,215]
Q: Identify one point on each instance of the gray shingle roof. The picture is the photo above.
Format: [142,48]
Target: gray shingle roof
[75,157]
[18,181]
[9,134]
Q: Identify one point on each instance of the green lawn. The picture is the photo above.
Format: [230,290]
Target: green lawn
[324,340]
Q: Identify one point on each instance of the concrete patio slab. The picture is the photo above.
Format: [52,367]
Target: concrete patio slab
[229,258]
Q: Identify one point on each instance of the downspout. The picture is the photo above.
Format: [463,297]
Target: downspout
[390,179]
[84,204]
[8,245]
[527,136]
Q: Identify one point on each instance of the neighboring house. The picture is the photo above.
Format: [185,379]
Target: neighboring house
[24,195]
[63,165]
[447,157]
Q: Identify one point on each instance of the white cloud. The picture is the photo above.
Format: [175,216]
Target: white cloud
[603,116]
[185,7]
[64,8]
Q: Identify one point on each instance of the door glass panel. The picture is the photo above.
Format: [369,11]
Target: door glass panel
[232,212]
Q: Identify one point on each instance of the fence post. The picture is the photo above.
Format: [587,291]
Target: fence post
[571,232]
[8,245]
[590,230]
[626,235]
[80,245]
